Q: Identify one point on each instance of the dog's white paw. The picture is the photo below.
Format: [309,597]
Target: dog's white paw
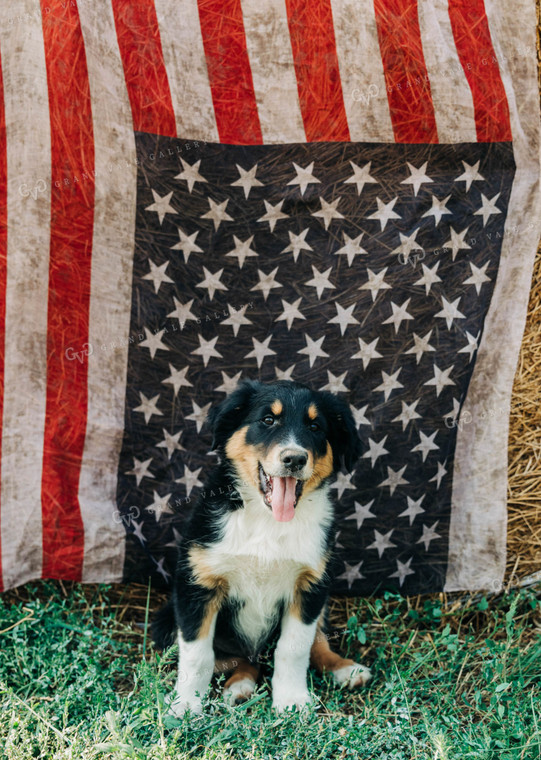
[290,700]
[351,676]
[239,690]
[179,706]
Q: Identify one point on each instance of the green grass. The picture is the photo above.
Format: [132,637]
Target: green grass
[452,682]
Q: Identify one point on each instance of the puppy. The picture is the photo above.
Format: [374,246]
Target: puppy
[254,564]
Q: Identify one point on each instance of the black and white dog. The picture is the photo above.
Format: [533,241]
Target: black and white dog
[254,563]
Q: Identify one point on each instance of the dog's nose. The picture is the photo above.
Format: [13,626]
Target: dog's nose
[293,460]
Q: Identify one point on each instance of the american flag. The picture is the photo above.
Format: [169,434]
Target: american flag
[341,193]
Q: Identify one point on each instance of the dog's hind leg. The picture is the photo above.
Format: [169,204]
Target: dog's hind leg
[345,672]
[241,684]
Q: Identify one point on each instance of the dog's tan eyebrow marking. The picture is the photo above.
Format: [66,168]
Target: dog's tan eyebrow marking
[277,407]
[312,411]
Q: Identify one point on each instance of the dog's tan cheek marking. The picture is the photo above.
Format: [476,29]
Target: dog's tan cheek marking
[206,577]
[323,467]
[312,411]
[277,407]
[243,455]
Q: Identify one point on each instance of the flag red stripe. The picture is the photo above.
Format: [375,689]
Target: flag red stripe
[140,47]
[3,270]
[474,46]
[72,218]
[316,66]
[406,77]
[229,72]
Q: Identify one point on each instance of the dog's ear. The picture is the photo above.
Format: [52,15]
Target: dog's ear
[228,416]
[342,433]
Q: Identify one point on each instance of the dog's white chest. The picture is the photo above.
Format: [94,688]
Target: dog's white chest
[261,559]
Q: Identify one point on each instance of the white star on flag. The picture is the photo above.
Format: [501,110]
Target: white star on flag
[286,374]
[190,173]
[320,281]
[441,378]
[199,414]
[328,211]
[161,205]
[313,348]
[236,318]
[153,342]
[414,509]
[206,349]
[375,282]
[290,312]
[376,450]
[450,311]
[297,243]
[247,179]
[190,480]
[140,470]
[426,444]
[472,345]
[260,350]
[344,317]
[359,415]
[242,250]
[429,277]
[403,570]
[439,475]
[407,414]
[157,274]
[385,212]
[429,534]
[400,313]
[417,177]
[160,505]
[394,479]
[421,346]
[211,282]
[217,213]
[362,513]
[335,384]
[407,245]
[381,542]
[229,383]
[478,276]
[470,174]
[457,242]
[367,352]
[342,483]
[351,248]
[304,177]
[177,378]
[187,244]
[171,443]
[361,176]
[389,383]
[439,209]
[267,282]
[488,208]
[351,573]
[273,214]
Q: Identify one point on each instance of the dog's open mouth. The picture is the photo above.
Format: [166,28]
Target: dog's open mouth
[280,494]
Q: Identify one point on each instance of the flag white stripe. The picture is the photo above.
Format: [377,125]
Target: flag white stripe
[451,94]
[186,66]
[361,71]
[110,298]
[477,532]
[28,141]
[273,71]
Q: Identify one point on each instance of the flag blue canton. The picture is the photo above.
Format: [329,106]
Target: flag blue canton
[362,269]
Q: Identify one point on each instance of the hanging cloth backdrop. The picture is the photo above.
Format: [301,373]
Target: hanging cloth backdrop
[341,192]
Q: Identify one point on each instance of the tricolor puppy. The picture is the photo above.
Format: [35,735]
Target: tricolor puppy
[254,563]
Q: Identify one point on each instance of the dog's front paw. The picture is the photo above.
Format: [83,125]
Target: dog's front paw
[290,700]
[351,676]
[178,706]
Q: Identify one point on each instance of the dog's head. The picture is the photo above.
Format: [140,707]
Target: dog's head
[285,439]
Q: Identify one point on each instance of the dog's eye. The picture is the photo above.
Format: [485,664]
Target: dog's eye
[268,419]
[314,427]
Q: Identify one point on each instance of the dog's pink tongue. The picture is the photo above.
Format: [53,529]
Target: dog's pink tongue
[283,498]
